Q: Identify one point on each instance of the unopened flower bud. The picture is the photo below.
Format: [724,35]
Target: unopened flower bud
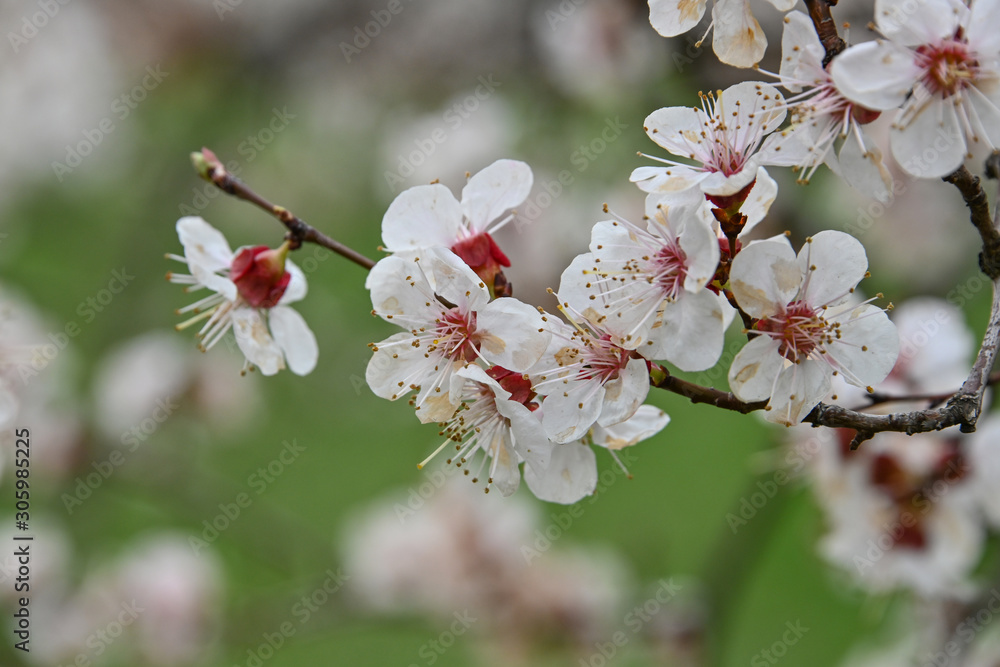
[260,275]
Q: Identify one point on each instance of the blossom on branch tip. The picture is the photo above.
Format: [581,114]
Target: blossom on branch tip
[251,291]
[450,322]
[940,61]
[805,333]
[425,216]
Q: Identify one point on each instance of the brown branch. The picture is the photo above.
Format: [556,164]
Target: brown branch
[878,398]
[962,409]
[299,231]
[826,28]
[979,212]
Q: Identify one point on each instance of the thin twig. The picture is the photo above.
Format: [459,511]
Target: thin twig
[826,28]
[299,231]
[979,212]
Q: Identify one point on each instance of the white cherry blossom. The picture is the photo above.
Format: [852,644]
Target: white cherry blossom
[571,473]
[429,215]
[738,40]
[450,324]
[722,137]
[269,333]
[822,117]
[940,61]
[497,423]
[586,376]
[647,285]
[802,337]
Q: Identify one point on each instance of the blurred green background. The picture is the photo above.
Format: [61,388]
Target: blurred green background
[230,66]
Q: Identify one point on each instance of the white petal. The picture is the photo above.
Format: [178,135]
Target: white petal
[758,202]
[453,279]
[647,421]
[801,52]
[677,129]
[755,103]
[863,168]
[932,143]
[739,40]
[981,29]
[495,190]
[204,244]
[915,23]
[570,409]
[511,333]
[207,252]
[800,388]
[876,75]
[255,341]
[505,475]
[690,334]
[395,365]
[840,263]
[765,276]
[624,395]
[751,377]
[400,292]
[666,180]
[570,476]
[529,438]
[674,17]
[984,101]
[295,339]
[423,216]
[867,347]
[297,287]
[700,245]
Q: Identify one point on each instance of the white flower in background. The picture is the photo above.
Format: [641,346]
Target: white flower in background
[442,338]
[984,459]
[802,339]
[821,116]
[935,348]
[178,592]
[426,216]
[495,418]
[738,39]
[460,551]
[723,137]
[251,291]
[571,473]
[647,286]
[904,515]
[940,61]
[586,376]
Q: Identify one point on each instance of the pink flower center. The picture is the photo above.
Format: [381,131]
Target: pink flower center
[603,360]
[947,67]
[456,336]
[800,330]
[669,269]
[517,384]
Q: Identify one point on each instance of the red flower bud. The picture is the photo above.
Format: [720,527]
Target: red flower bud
[260,276]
